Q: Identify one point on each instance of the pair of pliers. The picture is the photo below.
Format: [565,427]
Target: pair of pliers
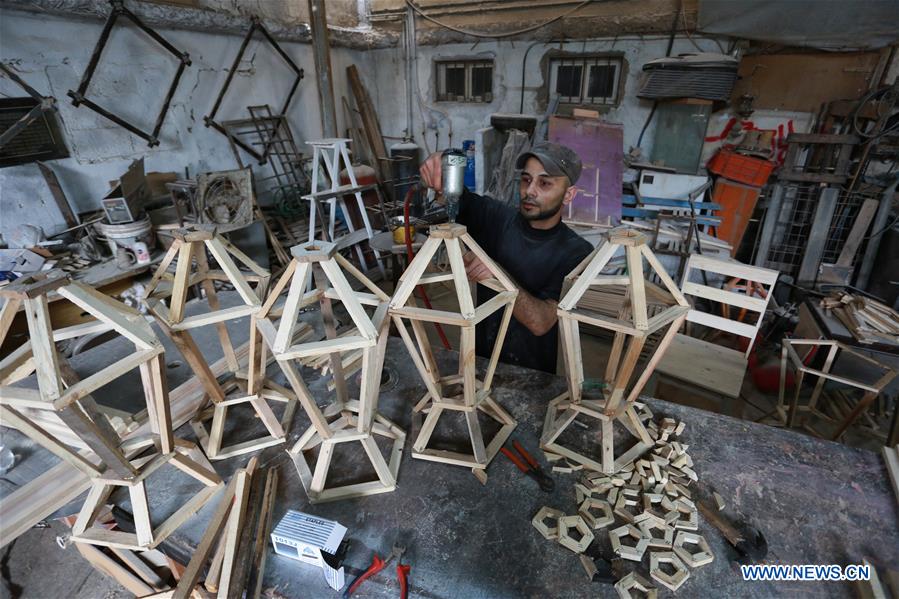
[530,467]
[378,564]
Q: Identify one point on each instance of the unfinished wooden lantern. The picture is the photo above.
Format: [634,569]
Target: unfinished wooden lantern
[115,461]
[358,420]
[443,392]
[632,329]
[188,253]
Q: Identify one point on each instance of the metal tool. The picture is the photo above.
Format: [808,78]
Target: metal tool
[402,574]
[452,171]
[377,564]
[530,467]
[749,542]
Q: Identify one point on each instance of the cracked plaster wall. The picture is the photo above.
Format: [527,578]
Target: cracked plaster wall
[50,53]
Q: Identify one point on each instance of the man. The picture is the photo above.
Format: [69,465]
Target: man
[531,243]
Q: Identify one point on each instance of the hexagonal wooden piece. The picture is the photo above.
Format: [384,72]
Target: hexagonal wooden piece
[633,553]
[576,522]
[635,582]
[596,520]
[701,557]
[539,522]
[672,581]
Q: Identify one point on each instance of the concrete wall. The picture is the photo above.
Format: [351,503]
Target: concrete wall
[463,119]
[50,53]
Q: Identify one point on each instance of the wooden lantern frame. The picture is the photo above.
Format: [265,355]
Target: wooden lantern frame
[188,253]
[788,413]
[631,334]
[475,394]
[359,420]
[60,391]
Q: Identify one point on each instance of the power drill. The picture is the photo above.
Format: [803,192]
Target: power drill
[453,170]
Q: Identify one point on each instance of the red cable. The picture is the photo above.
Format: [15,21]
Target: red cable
[410,254]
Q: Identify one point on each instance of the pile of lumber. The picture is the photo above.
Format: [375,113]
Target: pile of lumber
[868,320]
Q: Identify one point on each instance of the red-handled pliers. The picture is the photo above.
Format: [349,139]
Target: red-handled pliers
[377,564]
[529,466]
[402,574]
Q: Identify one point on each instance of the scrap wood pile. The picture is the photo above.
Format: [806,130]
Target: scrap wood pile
[647,509]
[868,320]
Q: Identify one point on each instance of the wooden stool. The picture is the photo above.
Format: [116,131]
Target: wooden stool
[191,268]
[631,331]
[475,393]
[60,392]
[358,420]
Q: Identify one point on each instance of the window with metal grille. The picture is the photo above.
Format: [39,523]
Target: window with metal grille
[465,81]
[40,140]
[585,79]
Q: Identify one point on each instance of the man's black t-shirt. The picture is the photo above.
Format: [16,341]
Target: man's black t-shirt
[536,259]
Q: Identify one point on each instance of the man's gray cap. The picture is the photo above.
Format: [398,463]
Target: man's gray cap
[558,160]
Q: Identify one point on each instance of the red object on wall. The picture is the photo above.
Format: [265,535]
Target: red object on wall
[744,169]
[737,205]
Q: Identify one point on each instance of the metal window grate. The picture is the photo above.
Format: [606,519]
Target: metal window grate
[40,140]
[586,80]
[791,233]
[465,81]
[844,215]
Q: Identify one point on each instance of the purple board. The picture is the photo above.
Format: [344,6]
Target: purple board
[601,147]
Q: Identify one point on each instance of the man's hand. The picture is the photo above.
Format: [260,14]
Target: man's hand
[431,171]
[474,268]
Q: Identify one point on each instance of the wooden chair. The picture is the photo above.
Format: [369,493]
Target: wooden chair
[702,362]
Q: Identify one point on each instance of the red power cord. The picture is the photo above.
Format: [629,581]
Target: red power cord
[410,254]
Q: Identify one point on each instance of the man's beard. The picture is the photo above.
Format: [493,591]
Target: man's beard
[544,213]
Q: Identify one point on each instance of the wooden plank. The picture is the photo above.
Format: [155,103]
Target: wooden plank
[201,320]
[722,324]
[48,442]
[409,279]
[42,348]
[756,304]
[348,298]
[217,249]
[369,122]
[857,233]
[100,306]
[730,269]
[111,568]
[457,266]
[704,364]
[191,574]
[429,315]
[232,532]
[179,290]
[637,290]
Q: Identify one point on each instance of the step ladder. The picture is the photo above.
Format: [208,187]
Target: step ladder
[333,152]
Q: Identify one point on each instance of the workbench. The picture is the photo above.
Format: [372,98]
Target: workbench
[817,502]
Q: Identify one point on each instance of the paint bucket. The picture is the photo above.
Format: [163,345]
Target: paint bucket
[136,237]
[398,225]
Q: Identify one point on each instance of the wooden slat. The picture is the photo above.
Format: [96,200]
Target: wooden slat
[756,304]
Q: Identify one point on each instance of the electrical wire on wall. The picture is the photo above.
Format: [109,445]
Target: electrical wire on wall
[426,118]
[567,13]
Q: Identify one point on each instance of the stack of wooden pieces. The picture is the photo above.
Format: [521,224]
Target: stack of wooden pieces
[646,507]
[868,320]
